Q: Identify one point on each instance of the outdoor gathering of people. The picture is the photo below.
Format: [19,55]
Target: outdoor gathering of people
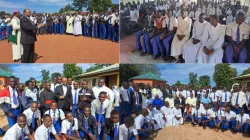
[180,31]
[21,29]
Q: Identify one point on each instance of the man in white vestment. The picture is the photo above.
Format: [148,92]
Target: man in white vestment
[181,36]
[101,87]
[69,20]
[77,25]
[212,41]
[17,49]
[192,46]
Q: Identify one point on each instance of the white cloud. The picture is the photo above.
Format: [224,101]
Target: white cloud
[10,5]
[51,2]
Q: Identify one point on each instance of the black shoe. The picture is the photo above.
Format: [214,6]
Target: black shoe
[204,126]
[162,56]
[175,60]
[143,53]
[156,57]
[222,130]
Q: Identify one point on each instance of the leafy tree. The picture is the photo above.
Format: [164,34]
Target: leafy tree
[79,4]
[96,67]
[2,13]
[128,71]
[100,5]
[71,70]
[246,71]
[224,74]
[34,12]
[55,74]
[45,75]
[193,78]
[5,67]
[204,80]
[178,83]
[61,11]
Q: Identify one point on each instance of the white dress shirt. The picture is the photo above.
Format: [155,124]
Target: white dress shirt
[62,115]
[220,113]
[65,88]
[185,94]
[124,134]
[116,97]
[230,115]
[13,106]
[15,132]
[106,107]
[29,115]
[42,132]
[213,96]
[29,93]
[97,90]
[195,112]
[232,31]
[53,87]
[124,93]
[139,121]
[243,118]
[208,112]
[223,96]
[75,92]
[66,126]
[241,99]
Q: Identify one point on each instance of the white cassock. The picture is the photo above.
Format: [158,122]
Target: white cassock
[144,105]
[213,38]
[69,20]
[177,113]
[109,92]
[168,112]
[151,118]
[184,28]
[156,91]
[190,50]
[17,49]
[158,116]
[77,25]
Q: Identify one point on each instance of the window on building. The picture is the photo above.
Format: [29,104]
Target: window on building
[94,82]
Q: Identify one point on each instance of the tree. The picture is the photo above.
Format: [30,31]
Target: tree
[34,12]
[2,13]
[115,6]
[178,83]
[71,70]
[61,11]
[68,8]
[45,75]
[192,78]
[246,71]
[204,80]
[5,67]
[128,71]
[100,5]
[97,66]
[79,4]
[55,74]
[224,74]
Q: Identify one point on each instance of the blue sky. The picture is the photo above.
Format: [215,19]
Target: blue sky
[36,5]
[175,72]
[25,71]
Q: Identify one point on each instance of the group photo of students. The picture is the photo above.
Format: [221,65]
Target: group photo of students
[183,31]
[156,107]
[63,109]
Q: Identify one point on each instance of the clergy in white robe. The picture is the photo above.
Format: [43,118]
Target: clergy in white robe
[212,41]
[237,34]
[77,25]
[192,46]
[17,49]
[177,116]
[101,87]
[168,113]
[182,34]
[69,20]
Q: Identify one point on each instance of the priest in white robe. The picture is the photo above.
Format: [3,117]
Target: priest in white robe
[177,116]
[101,87]
[181,36]
[168,113]
[69,20]
[212,41]
[77,25]
[192,46]
[17,49]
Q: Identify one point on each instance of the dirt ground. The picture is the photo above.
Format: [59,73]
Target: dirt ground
[3,121]
[67,49]
[188,132]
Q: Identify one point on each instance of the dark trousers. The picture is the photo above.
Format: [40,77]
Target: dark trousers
[28,53]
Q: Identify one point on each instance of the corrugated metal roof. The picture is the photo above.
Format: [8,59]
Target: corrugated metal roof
[149,76]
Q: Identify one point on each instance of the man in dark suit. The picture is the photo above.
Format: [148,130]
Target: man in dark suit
[87,92]
[64,96]
[181,102]
[28,37]
[136,99]
[112,126]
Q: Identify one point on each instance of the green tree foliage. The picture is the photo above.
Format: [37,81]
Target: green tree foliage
[45,75]
[178,83]
[5,67]
[71,70]
[100,5]
[55,74]
[128,71]
[61,11]
[246,71]
[96,67]
[79,4]
[67,8]
[192,78]
[204,80]
[223,74]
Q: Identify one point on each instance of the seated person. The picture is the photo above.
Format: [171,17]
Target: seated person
[70,128]
[242,123]
[128,131]
[112,126]
[230,120]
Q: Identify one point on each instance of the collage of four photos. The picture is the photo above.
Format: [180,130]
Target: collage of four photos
[124,69]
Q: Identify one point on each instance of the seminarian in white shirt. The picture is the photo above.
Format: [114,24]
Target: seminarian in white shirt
[101,87]
[192,46]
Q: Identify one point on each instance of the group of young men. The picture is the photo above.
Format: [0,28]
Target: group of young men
[63,109]
[104,26]
[211,32]
[155,107]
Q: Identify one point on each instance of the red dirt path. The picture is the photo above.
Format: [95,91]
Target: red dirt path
[67,49]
